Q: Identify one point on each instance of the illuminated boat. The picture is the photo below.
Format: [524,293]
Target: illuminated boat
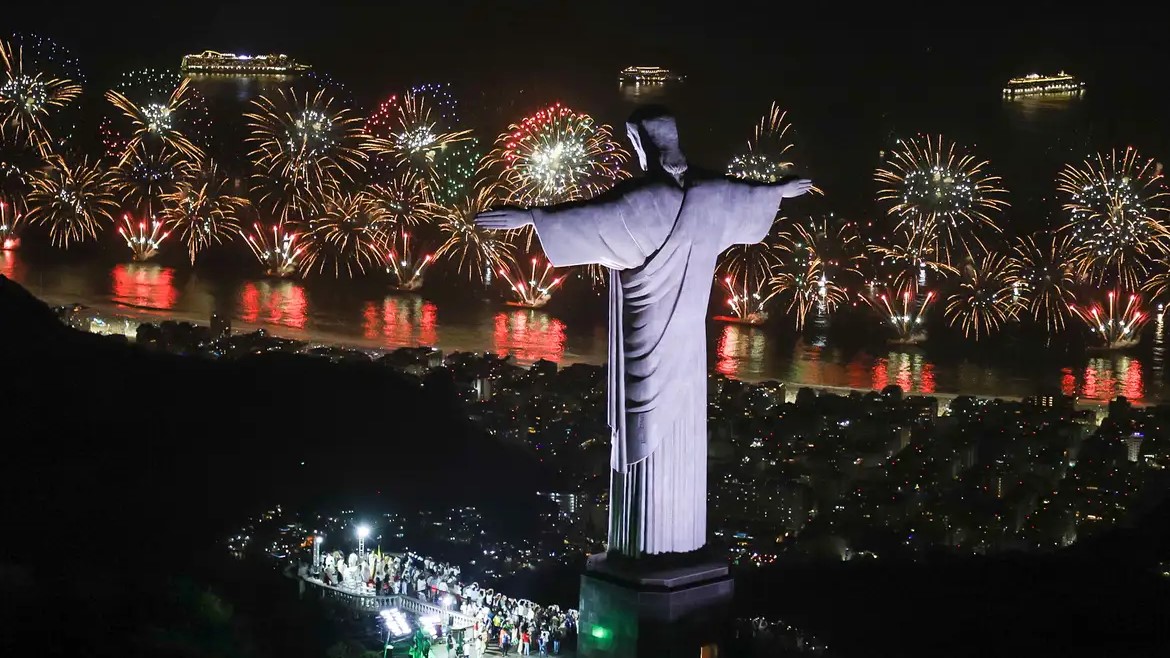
[1036,84]
[648,75]
[210,61]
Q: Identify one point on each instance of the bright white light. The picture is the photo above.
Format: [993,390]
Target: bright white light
[320,539]
[395,622]
[428,624]
[363,531]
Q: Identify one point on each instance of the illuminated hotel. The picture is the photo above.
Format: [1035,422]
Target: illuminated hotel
[210,61]
[1036,84]
[647,75]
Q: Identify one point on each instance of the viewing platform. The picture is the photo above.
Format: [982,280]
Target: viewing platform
[374,603]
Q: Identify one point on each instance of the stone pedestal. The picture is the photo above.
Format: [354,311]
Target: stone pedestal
[629,611]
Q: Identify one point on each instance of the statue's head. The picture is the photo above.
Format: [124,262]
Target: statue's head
[654,135]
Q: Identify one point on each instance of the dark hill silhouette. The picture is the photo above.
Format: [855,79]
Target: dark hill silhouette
[109,440]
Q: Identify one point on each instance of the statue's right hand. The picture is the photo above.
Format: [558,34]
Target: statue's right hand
[506,218]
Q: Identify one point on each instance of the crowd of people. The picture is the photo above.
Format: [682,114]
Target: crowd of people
[513,625]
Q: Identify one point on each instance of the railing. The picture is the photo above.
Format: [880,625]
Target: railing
[373,603]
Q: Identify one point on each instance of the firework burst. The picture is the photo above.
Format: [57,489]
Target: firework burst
[306,141]
[1158,285]
[747,299]
[985,298]
[145,176]
[904,311]
[833,250]
[533,286]
[29,97]
[1043,277]
[277,248]
[143,237]
[1116,212]
[406,267]
[800,288]
[455,170]
[412,132]
[751,262]
[19,160]
[203,207]
[10,223]
[404,200]
[766,158]
[161,109]
[556,155]
[937,190]
[474,250]
[1117,325]
[345,235]
[906,259]
[74,198]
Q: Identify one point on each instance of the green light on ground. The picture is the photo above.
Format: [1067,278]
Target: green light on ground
[599,632]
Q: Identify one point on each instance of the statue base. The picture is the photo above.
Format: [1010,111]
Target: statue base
[631,608]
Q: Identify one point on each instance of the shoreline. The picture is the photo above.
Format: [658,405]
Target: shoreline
[131,313]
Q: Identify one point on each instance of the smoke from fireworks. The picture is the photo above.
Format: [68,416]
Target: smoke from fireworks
[534,285]
[345,234]
[29,97]
[278,248]
[903,310]
[556,155]
[937,190]
[403,265]
[308,142]
[144,237]
[1115,205]
[73,198]
[984,300]
[1116,324]
[474,250]
[203,207]
[1041,273]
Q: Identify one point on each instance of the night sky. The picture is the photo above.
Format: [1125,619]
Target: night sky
[450,39]
[855,77]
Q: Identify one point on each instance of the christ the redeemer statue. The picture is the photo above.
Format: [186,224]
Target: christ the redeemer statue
[660,235]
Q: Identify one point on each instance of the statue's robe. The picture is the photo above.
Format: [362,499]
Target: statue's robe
[661,242]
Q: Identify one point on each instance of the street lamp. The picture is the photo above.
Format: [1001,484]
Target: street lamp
[363,531]
[317,539]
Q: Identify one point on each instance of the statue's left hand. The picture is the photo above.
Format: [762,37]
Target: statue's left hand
[795,188]
[506,218]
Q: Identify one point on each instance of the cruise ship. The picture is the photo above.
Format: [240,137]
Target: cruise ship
[1036,84]
[648,75]
[210,61]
